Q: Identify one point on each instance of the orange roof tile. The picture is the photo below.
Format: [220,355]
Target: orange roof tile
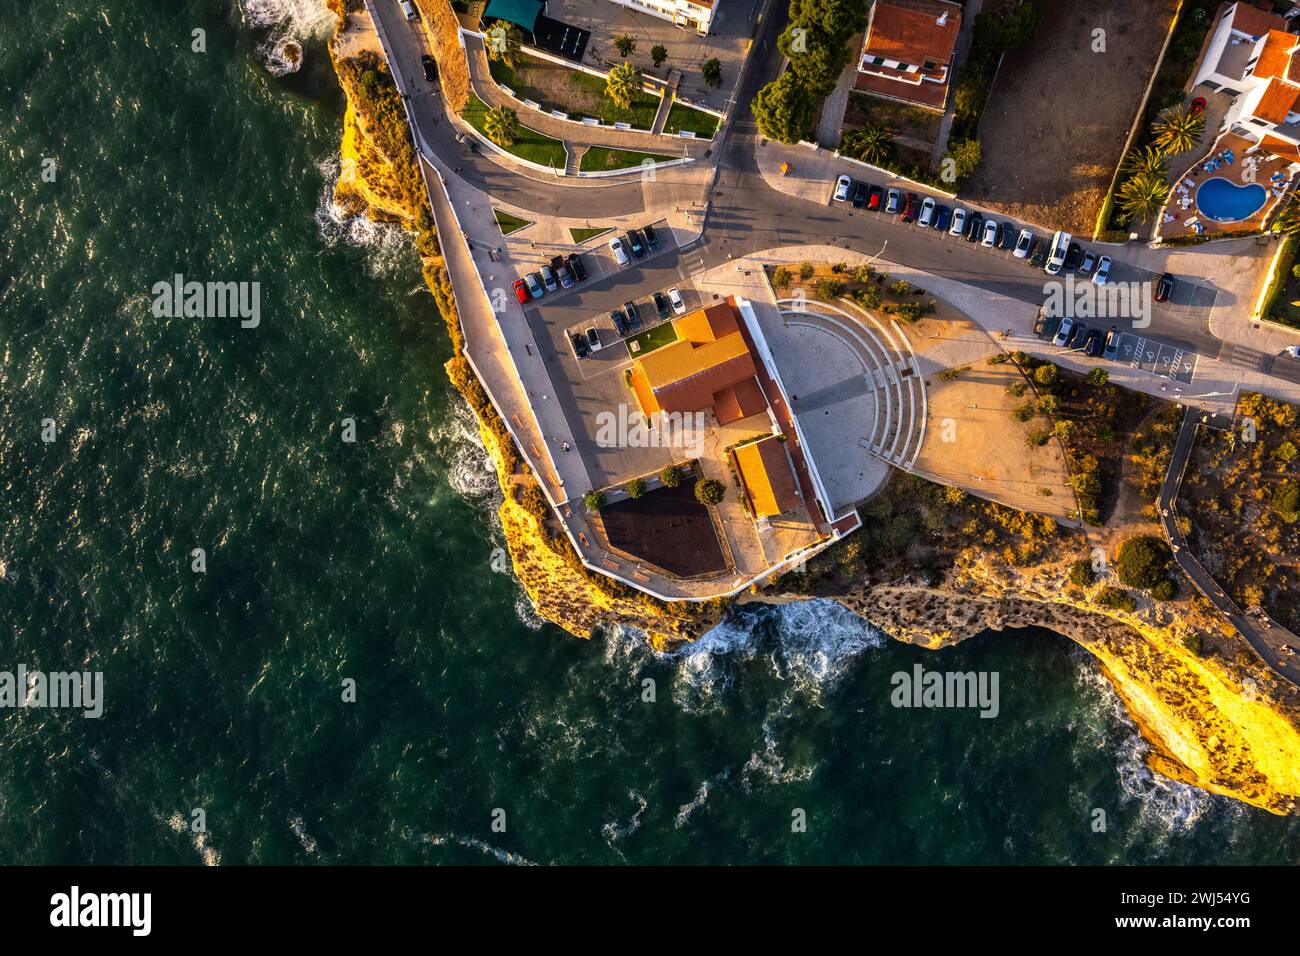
[709,357]
[909,30]
[1254,21]
[1281,148]
[739,401]
[1278,100]
[766,476]
[1275,56]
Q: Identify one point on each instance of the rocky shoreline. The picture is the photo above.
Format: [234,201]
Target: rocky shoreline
[1220,721]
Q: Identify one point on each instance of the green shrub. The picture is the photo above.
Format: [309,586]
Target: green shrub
[1023,412]
[1165,590]
[671,476]
[709,491]
[635,488]
[1143,562]
[1116,599]
[1081,573]
[594,500]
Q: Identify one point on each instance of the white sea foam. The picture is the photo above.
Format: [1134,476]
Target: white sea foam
[614,831]
[502,856]
[288,24]
[387,246]
[300,831]
[469,469]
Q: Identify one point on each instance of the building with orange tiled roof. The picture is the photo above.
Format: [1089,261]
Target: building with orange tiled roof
[908,51]
[767,477]
[1251,56]
[709,367]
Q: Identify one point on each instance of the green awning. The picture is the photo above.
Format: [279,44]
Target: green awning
[521,12]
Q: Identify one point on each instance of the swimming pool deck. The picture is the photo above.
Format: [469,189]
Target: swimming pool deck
[1182,214]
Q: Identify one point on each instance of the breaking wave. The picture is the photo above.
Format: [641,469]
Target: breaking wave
[387,246]
[288,24]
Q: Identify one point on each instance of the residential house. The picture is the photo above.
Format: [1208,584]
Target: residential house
[908,51]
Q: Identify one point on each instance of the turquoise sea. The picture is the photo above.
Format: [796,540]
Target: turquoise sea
[371,561]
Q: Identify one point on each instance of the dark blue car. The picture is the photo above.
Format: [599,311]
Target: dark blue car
[942,218]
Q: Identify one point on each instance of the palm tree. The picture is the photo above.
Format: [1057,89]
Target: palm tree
[501,125]
[1288,219]
[621,83]
[874,144]
[1147,160]
[1178,130]
[1140,197]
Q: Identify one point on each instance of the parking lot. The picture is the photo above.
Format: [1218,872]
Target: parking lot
[590,388]
[1141,352]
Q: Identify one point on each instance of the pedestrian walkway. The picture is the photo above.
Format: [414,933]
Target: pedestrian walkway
[831,120]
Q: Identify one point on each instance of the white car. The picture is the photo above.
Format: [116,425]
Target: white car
[1063,333]
[1057,253]
[409,9]
[1023,243]
[675,300]
[534,287]
[620,251]
[842,188]
[927,212]
[1292,350]
[1103,271]
[990,234]
[958,227]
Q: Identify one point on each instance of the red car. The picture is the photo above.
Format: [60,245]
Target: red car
[1198,106]
[521,292]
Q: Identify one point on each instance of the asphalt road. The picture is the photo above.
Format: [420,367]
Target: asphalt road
[1266,637]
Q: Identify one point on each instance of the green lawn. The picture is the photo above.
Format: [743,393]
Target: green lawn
[556,87]
[649,340]
[582,235]
[598,158]
[509,223]
[680,117]
[530,145]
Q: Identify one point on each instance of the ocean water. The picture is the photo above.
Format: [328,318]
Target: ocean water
[329,561]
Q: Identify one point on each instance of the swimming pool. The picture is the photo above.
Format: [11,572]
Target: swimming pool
[1224,201]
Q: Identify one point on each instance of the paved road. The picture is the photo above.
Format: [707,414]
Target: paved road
[1266,637]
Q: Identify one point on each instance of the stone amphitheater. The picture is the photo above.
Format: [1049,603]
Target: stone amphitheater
[855,387]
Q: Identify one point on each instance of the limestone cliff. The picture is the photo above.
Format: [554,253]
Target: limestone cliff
[1221,722]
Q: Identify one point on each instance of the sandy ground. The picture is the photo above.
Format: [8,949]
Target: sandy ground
[1056,122]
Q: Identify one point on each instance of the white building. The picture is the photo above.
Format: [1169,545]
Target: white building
[694,15]
[1250,56]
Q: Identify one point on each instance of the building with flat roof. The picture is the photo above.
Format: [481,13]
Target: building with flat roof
[908,51]
[695,15]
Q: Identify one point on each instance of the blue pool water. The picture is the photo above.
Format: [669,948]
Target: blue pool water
[1225,201]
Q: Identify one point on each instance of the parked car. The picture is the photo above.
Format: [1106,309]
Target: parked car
[620,251]
[910,207]
[860,193]
[430,67]
[580,348]
[943,218]
[1063,333]
[620,323]
[875,198]
[593,338]
[894,202]
[579,270]
[1038,253]
[1076,336]
[1056,252]
[535,288]
[409,9]
[1024,243]
[635,244]
[1006,236]
[1111,348]
[842,188]
[562,271]
[1164,288]
[1073,256]
[1040,322]
[958,226]
[1095,342]
[675,300]
[1089,260]
[974,227]
[651,238]
[1103,271]
[1292,351]
[926,218]
[548,279]
[661,305]
[633,316]
[990,234]
[521,292]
